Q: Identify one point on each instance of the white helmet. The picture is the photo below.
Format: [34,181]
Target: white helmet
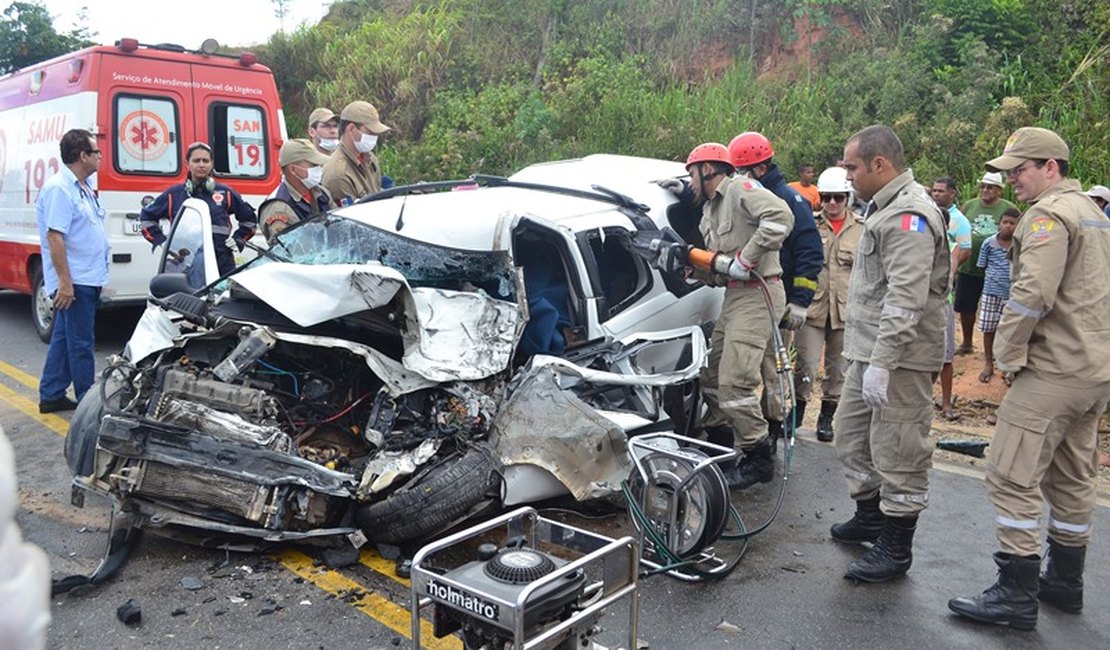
[834,180]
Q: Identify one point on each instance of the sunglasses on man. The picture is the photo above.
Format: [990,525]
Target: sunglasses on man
[839,198]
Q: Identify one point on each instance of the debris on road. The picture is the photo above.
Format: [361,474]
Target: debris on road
[191,583]
[725,626]
[337,558]
[967,447]
[130,613]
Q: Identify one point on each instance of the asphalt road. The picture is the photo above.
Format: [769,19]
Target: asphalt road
[788,592]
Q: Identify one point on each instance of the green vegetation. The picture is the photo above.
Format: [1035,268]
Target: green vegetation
[27,36]
[493,85]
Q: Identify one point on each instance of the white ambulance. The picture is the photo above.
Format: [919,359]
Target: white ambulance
[145,104]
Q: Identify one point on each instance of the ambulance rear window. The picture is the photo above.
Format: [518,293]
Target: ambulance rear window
[146,139]
[239,140]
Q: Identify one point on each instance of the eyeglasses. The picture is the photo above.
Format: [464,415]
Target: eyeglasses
[1016,171]
[839,198]
[93,152]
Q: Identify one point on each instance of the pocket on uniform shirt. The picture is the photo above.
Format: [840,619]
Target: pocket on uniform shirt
[1019,440]
[900,438]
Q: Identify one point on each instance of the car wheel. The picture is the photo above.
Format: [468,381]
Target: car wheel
[84,429]
[42,306]
[445,496]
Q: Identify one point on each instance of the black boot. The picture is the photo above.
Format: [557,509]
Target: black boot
[799,413]
[864,526]
[774,434]
[1011,600]
[892,554]
[825,420]
[755,467]
[1061,585]
[720,435]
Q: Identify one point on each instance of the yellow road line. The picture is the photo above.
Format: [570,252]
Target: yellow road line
[30,408]
[370,559]
[381,609]
[19,375]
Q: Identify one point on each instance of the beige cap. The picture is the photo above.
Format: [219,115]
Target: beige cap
[300,149]
[992,178]
[1099,192]
[1029,143]
[361,112]
[321,115]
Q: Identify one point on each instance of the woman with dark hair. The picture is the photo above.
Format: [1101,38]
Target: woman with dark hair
[222,203]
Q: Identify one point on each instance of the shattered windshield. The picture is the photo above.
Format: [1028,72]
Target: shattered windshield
[336,240]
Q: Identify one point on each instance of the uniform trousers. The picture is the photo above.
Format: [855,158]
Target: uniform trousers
[887,451]
[813,342]
[1045,449]
[739,339]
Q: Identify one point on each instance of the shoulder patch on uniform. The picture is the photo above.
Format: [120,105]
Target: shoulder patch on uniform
[1041,227]
[217,197]
[913,223]
[748,185]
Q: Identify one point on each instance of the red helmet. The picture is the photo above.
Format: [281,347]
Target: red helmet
[708,152]
[749,149]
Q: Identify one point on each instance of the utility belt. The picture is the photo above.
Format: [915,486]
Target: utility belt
[749,284]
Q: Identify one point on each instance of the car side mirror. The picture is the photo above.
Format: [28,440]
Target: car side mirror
[165,285]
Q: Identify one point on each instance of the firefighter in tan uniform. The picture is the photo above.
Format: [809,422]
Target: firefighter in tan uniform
[823,333]
[353,171]
[744,221]
[1052,342]
[894,343]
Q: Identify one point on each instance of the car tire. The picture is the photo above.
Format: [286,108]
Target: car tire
[433,503]
[84,429]
[42,307]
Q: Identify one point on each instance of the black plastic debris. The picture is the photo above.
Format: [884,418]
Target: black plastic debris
[337,558]
[971,447]
[180,611]
[130,613]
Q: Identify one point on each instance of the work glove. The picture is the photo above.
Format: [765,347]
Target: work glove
[875,382]
[155,236]
[740,268]
[241,235]
[673,258]
[794,317]
[678,188]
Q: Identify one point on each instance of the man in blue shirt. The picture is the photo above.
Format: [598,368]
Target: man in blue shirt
[75,267]
[959,241]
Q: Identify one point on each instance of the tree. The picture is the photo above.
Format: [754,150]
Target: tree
[27,36]
[281,10]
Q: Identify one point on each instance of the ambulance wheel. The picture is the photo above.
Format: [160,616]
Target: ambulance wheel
[42,307]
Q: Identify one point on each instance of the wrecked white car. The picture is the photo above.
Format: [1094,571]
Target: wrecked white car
[399,365]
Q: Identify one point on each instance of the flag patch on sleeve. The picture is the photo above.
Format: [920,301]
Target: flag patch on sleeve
[913,223]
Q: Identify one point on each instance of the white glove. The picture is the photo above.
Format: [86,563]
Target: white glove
[672,185]
[740,268]
[794,317]
[875,381]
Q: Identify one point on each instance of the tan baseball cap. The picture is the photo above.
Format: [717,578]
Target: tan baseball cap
[362,112]
[321,115]
[1029,143]
[992,178]
[300,149]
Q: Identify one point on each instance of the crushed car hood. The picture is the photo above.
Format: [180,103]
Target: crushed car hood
[448,335]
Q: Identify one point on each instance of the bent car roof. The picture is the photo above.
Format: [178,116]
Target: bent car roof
[478,219]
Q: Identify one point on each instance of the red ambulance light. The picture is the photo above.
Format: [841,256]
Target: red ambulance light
[246,59]
[76,66]
[128,44]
